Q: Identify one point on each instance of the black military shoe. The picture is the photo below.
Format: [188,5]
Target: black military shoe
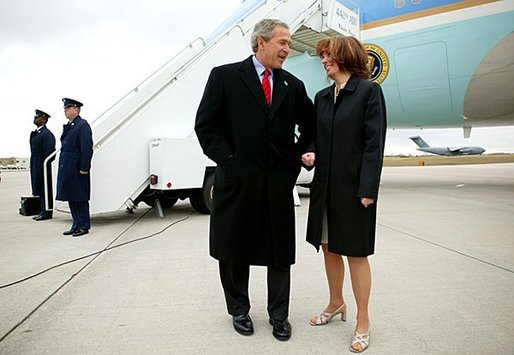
[281,329]
[42,218]
[243,324]
[80,232]
[69,232]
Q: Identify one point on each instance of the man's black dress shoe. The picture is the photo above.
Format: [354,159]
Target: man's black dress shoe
[42,218]
[36,217]
[281,329]
[69,232]
[243,324]
[80,232]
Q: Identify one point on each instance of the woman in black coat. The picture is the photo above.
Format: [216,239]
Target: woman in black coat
[347,153]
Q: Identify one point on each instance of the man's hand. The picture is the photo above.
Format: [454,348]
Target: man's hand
[309,158]
[366,201]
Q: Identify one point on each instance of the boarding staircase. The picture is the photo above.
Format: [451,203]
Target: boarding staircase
[165,104]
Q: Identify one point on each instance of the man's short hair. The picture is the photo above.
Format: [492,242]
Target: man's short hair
[264,29]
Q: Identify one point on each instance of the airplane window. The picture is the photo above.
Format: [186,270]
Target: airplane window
[401,3]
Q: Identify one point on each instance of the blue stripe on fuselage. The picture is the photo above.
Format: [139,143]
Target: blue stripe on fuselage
[370,10]
[374,10]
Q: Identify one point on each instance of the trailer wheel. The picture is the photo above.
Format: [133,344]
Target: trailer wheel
[201,199]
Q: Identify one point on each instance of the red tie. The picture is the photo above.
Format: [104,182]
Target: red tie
[266,87]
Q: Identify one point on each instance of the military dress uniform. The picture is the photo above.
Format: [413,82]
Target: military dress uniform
[76,155]
[42,144]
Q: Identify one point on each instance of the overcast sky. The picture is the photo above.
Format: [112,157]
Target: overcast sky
[96,51]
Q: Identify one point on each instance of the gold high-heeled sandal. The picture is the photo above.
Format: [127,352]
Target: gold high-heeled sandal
[362,339]
[325,318]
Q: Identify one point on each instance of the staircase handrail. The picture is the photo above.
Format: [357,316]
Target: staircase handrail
[172,78]
[151,76]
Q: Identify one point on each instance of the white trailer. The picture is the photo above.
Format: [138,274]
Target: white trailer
[145,148]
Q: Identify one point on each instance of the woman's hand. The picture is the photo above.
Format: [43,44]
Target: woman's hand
[309,158]
[366,201]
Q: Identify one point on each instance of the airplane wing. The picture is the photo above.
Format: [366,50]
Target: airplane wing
[466,150]
[456,149]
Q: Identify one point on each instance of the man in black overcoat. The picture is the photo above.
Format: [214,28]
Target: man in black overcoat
[253,143]
[42,144]
[73,178]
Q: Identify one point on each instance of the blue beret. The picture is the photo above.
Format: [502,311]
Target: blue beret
[71,103]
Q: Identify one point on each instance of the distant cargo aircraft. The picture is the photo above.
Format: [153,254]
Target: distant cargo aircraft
[424,147]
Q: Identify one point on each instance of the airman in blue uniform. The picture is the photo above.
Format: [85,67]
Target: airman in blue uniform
[42,144]
[73,178]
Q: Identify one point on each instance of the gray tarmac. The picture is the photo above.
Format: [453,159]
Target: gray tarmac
[443,276]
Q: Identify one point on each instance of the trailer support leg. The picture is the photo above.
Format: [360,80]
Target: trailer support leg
[158,208]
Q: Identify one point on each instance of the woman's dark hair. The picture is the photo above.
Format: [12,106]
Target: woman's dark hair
[348,52]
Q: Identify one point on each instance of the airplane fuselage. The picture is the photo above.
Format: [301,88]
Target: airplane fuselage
[449,152]
[441,63]
[451,61]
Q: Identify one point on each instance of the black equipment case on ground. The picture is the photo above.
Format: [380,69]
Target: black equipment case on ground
[29,205]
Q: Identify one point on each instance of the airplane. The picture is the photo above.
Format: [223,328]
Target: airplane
[441,63]
[424,147]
